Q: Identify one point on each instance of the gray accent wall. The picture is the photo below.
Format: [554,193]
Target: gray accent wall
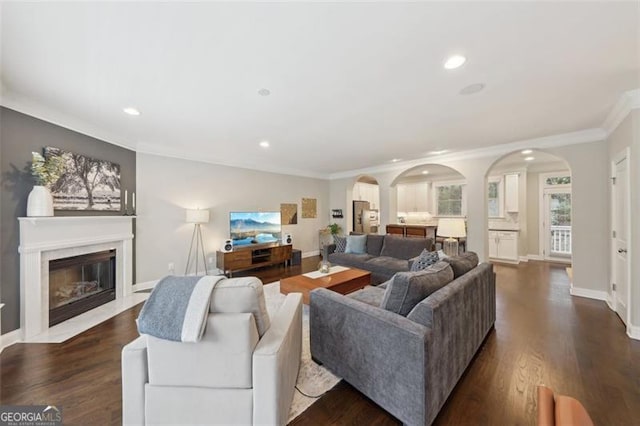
[21,134]
[169,186]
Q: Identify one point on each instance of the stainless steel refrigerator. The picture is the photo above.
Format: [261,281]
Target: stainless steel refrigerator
[365,219]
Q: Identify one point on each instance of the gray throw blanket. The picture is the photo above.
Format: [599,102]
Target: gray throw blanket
[177,308]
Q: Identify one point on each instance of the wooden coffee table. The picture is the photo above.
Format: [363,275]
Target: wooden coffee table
[343,282]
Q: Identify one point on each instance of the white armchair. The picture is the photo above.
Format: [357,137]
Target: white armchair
[243,371]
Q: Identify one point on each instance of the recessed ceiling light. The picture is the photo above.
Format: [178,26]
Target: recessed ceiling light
[264,144]
[425,172]
[131,111]
[526,151]
[395,160]
[455,61]
[441,151]
[472,88]
[529,158]
[264,92]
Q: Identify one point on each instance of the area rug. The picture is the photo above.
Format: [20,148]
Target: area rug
[313,379]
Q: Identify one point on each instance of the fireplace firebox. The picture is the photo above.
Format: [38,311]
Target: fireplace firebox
[80,283]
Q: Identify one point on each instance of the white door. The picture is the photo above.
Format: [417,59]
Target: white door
[620,227]
[557,224]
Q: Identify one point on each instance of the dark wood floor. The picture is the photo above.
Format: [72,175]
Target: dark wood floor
[542,335]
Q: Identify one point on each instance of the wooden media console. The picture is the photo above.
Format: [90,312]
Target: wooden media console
[250,257]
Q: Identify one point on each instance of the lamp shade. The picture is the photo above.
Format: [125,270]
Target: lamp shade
[197,216]
[451,228]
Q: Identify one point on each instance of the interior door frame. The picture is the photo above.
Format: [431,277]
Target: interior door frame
[622,155]
[545,189]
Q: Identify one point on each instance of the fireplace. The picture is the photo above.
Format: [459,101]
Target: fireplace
[80,283]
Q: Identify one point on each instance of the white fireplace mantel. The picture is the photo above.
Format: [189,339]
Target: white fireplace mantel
[47,238]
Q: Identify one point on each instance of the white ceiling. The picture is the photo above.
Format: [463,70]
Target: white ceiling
[353,84]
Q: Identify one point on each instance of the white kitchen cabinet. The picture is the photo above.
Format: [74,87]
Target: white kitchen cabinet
[367,192]
[375,197]
[503,245]
[493,244]
[413,197]
[511,193]
[402,198]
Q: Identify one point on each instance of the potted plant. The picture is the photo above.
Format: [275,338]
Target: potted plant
[334,229]
[45,173]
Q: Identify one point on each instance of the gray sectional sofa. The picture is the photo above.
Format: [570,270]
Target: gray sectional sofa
[406,364]
[385,255]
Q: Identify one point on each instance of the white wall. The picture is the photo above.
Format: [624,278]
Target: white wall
[168,186]
[588,163]
[627,135]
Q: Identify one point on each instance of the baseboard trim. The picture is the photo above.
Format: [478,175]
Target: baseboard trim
[144,285]
[588,293]
[633,332]
[534,257]
[311,253]
[610,302]
[505,261]
[523,259]
[10,338]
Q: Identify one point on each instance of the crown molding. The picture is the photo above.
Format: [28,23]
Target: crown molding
[628,101]
[149,149]
[25,106]
[564,139]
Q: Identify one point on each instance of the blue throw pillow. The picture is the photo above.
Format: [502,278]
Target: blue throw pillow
[426,259]
[341,244]
[356,244]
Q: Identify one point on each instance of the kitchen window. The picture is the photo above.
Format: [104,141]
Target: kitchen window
[450,199]
[495,197]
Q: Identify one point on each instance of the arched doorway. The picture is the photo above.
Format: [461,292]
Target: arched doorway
[529,208]
[426,194]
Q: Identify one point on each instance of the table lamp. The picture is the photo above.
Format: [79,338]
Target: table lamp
[451,229]
[197,217]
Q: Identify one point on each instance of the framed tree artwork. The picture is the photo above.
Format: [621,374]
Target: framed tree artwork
[85,183]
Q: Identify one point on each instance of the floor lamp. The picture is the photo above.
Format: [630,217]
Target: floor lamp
[451,229]
[197,217]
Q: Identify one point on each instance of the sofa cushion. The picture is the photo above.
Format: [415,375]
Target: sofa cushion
[374,244]
[350,259]
[386,283]
[356,244]
[426,259]
[385,264]
[404,248]
[463,263]
[407,289]
[369,295]
[240,295]
[341,243]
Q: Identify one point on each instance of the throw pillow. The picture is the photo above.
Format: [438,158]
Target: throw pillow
[341,244]
[407,289]
[442,254]
[426,259]
[356,244]
[463,263]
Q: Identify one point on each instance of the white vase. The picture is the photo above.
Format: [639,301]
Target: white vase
[40,202]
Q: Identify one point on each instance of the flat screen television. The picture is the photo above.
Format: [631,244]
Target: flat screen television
[254,227]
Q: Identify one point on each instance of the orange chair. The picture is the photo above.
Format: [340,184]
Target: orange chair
[560,410]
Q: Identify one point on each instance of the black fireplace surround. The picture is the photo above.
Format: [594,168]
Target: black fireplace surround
[80,283]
